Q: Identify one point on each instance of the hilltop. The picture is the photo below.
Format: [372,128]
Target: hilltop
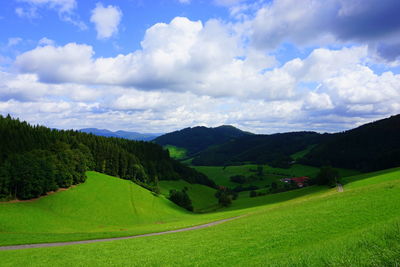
[274,149]
[372,146]
[199,138]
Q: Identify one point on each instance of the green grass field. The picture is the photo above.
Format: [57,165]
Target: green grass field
[203,197]
[176,152]
[220,175]
[103,206]
[314,226]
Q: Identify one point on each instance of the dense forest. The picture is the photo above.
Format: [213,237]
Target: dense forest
[35,160]
[370,147]
[199,138]
[274,149]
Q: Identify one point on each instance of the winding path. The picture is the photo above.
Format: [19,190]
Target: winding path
[58,244]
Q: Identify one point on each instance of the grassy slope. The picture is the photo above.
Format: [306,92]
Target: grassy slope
[360,226]
[176,152]
[101,207]
[221,175]
[202,196]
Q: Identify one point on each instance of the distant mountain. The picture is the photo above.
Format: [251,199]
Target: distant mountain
[373,146]
[121,134]
[199,138]
[274,149]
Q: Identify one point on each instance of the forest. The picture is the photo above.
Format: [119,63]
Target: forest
[370,147]
[35,160]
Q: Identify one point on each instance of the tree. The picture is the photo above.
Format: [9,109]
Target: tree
[225,196]
[260,170]
[181,198]
[327,176]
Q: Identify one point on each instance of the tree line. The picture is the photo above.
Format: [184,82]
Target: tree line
[35,160]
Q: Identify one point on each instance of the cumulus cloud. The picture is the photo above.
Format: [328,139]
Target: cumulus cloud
[106,20]
[193,73]
[313,22]
[180,56]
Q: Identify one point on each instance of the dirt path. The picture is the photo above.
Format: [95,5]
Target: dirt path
[340,188]
[57,244]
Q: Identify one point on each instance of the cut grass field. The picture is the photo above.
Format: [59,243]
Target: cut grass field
[314,226]
[103,206]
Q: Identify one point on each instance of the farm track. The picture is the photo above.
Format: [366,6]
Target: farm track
[58,244]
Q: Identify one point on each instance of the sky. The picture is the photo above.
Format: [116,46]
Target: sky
[158,66]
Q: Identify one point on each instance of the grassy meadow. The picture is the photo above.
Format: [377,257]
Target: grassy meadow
[314,226]
[203,197]
[220,174]
[176,152]
[103,206]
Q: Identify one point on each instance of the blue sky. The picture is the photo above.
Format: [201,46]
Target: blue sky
[158,66]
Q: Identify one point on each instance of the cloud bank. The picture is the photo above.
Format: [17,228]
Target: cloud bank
[216,72]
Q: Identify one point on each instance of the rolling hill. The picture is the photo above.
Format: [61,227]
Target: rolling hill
[274,149]
[103,206]
[313,226]
[199,138]
[370,147]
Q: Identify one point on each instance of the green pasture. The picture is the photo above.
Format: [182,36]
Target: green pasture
[203,197]
[176,152]
[103,206]
[313,226]
[220,174]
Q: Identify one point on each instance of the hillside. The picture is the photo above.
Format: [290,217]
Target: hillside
[121,134]
[199,138]
[314,226]
[35,160]
[373,146]
[103,206]
[274,149]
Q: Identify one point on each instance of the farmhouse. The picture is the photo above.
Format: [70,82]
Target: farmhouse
[299,181]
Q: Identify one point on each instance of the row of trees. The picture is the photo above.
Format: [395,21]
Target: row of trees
[25,150]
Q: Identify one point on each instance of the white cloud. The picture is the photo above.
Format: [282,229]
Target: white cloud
[184,1]
[310,23]
[64,8]
[14,41]
[29,13]
[189,73]
[181,56]
[46,41]
[106,20]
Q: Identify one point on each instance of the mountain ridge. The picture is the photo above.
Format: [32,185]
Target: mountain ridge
[121,134]
[198,138]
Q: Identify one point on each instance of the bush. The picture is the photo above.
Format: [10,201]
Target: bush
[327,176]
[253,193]
[181,198]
